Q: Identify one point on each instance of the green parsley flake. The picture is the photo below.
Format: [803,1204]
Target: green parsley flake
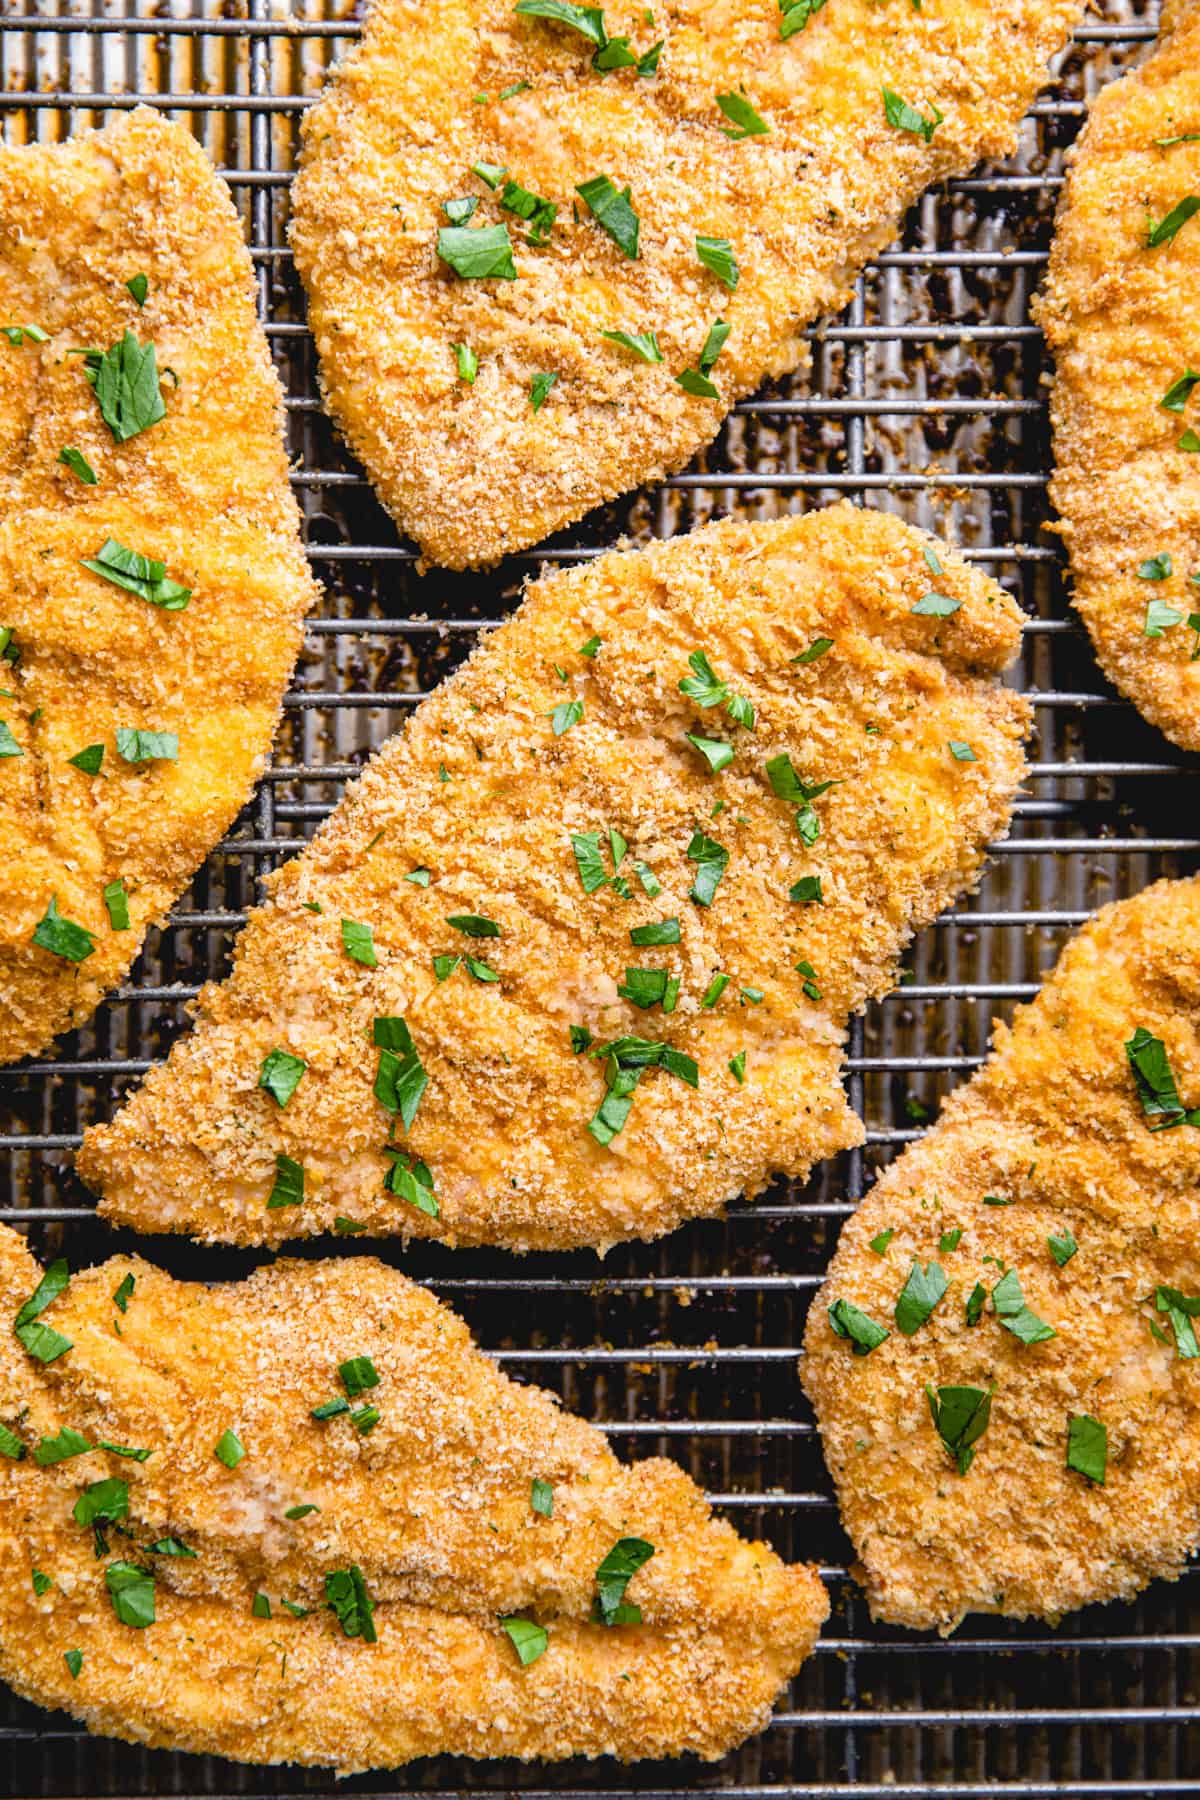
[714,990]
[698,385]
[737,1067]
[116,904]
[1170,227]
[411,1180]
[819,647]
[280,1074]
[644,344]
[717,754]
[795,14]
[137,746]
[1087,1447]
[746,121]
[473,925]
[17,334]
[483,254]
[903,117]
[587,20]
[346,1595]
[659,931]
[1015,1316]
[949,1240]
[88,760]
[936,606]
[131,1590]
[63,937]
[711,860]
[612,209]
[229,1449]
[879,1243]
[1181,1309]
[126,383]
[77,462]
[564,715]
[717,256]
[102,1503]
[539,387]
[1063,1248]
[60,1448]
[137,574]
[613,1576]
[807,891]
[40,1341]
[541,1498]
[347,1227]
[960,1416]
[358,1373]
[918,1297]
[1159,618]
[1157,568]
[139,287]
[581,1039]
[170,1546]
[74,1662]
[288,1189]
[400,1079]
[8,743]
[358,941]
[1155,1082]
[527,1639]
[1177,395]
[961,752]
[849,1322]
[466,362]
[41,1582]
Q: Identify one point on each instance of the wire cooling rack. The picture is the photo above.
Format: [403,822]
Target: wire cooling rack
[925,397]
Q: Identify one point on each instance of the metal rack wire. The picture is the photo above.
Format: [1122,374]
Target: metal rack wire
[924,397]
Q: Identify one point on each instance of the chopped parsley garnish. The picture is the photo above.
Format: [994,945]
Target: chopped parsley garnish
[88,760]
[746,121]
[1155,1081]
[613,1576]
[961,752]
[717,754]
[588,861]
[74,1662]
[807,891]
[400,1079]
[473,925]
[564,715]
[694,383]
[1190,442]
[288,1189]
[137,746]
[116,904]
[61,1448]
[919,1295]
[125,380]
[626,1059]
[330,1409]
[659,931]
[879,1243]
[480,970]
[63,937]
[170,1546]
[358,941]
[1159,618]
[229,1449]
[703,687]
[296,1513]
[137,574]
[809,988]
[849,1322]
[1063,1248]
[347,1227]
[8,743]
[539,387]
[643,344]
[538,214]
[444,966]
[17,334]
[795,14]
[737,1067]
[1180,1309]
[818,648]
[996,1200]
[411,1181]
[527,1639]
[466,362]
[260,1607]
[139,287]
[125,1450]
[717,256]
[1014,1315]
[1087,1447]
[788,786]
[459,211]
[1170,227]
[418,877]
[612,210]
[714,990]
[1177,395]
[10,1444]
[346,1594]
[541,1497]
[587,20]
[40,1581]
[711,860]
[358,1373]
[581,1039]
[949,1240]
[591,648]
[1157,568]
[491,173]
[904,117]
[936,606]
[960,1416]
[42,1343]
[974,1306]
[77,462]
[483,254]
[132,1592]
[101,1503]
[645,988]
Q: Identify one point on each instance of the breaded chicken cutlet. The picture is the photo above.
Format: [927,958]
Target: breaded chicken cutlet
[152,582]
[303,1519]
[573,960]
[547,247]
[1121,313]
[1003,1359]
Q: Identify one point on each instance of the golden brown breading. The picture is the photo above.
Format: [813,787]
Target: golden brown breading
[433,1504]
[1053,1131]
[204,491]
[471,470]
[1122,318]
[481,793]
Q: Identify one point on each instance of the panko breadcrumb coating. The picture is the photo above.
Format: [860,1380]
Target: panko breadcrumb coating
[467,1501]
[1070,1176]
[465,457]
[203,491]
[1122,316]
[547,868]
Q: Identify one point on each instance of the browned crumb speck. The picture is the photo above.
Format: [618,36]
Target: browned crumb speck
[205,491]
[434,1506]
[1122,318]
[481,794]
[1051,1125]
[471,471]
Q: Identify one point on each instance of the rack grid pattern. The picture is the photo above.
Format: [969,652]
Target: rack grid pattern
[926,397]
